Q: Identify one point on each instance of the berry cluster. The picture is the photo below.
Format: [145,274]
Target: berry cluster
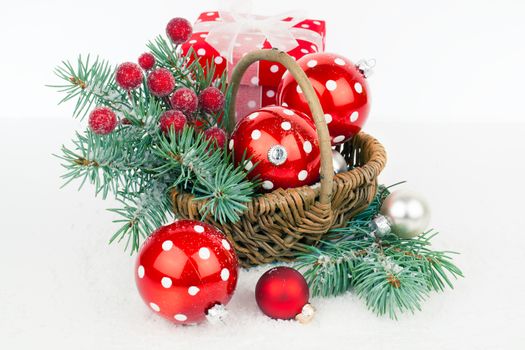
[186,103]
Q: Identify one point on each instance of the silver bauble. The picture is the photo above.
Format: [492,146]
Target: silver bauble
[339,162]
[407,212]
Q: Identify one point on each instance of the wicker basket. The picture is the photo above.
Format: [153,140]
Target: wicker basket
[277,225]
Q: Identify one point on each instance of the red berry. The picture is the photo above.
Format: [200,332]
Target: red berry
[179,30]
[102,120]
[161,82]
[211,99]
[128,76]
[172,118]
[184,100]
[146,61]
[217,135]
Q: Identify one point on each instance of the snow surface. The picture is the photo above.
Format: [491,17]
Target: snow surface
[63,287]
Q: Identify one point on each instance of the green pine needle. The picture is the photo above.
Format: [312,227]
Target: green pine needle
[136,162]
[393,275]
[207,172]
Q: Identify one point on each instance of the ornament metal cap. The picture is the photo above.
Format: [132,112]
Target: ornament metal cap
[277,155]
[380,226]
[216,314]
[366,67]
[306,315]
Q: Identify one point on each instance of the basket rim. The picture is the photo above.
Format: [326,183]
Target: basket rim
[358,176]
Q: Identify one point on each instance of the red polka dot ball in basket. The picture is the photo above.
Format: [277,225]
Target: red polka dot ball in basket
[185,269]
[284,145]
[342,90]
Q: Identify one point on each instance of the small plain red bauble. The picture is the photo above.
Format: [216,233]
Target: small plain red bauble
[102,120]
[146,61]
[211,99]
[185,100]
[281,293]
[284,144]
[179,30]
[184,269]
[172,119]
[161,82]
[217,135]
[342,90]
[128,75]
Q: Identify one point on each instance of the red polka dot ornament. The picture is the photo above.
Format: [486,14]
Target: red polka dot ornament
[342,90]
[284,144]
[186,271]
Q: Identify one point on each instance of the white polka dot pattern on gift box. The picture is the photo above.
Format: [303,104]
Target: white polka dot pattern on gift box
[342,89]
[169,270]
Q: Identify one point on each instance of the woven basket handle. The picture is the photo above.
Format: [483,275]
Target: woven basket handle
[327,170]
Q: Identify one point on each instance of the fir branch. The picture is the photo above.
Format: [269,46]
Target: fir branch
[207,172]
[226,193]
[91,83]
[141,213]
[392,274]
[137,162]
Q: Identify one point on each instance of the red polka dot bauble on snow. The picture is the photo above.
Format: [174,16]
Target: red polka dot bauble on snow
[102,120]
[128,75]
[185,269]
[161,82]
[342,90]
[284,144]
[179,30]
[282,293]
[146,61]
[172,119]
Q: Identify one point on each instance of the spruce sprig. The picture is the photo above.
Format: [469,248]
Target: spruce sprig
[207,172]
[392,274]
[136,162]
[91,83]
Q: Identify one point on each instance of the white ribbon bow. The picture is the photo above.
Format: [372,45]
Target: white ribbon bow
[235,30]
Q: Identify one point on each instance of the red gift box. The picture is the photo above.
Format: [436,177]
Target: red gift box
[224,37]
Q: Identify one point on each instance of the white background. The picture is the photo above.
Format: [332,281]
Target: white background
[447,105]
[445,60]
